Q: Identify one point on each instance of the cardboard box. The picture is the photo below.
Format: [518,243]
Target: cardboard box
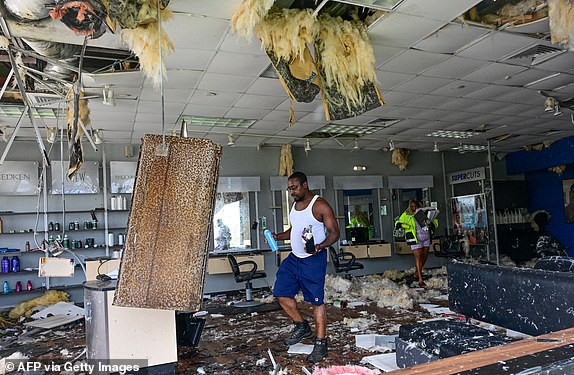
[359,251]
[380,250]
[220,265]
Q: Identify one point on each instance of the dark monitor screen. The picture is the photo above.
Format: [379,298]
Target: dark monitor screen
[357,234]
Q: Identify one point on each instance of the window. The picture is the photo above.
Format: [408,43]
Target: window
[231,222]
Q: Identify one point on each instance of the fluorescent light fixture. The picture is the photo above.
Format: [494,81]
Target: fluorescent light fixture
[357,130]
[435,148]
[109,96]
[15,111]
[230,140]
[391,145]
[307,146]
[218,121]
[452,134]
[52,133]
[473,148]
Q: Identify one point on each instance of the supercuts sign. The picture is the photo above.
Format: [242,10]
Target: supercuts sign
[466,176]
[19,178]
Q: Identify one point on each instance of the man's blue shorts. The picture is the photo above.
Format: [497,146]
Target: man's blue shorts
[305,274]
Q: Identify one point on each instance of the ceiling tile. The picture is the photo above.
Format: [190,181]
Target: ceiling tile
[553,81]
[454,67]
[179,79]
[255,114]
[490,92]
[191,59]
[398,98]
[235,43]
[493,72]
[523,96]
[560,63]
[314,106]
[431,114]
[205,110]
[389,80]
[522,78]
[458,104]
[422,84]
[207,98]
[384,54]
[495,46]
[238,63]
[259,101]
[209,8]
[450,38]
[402,30]
[267,86]
[429,101]
[314,117]
[271,125]
[216,82]
[171,95]
[413,62]
[193,32]
[513,109]
[487,107]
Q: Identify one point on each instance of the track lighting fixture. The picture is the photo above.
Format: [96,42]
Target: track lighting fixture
[98,136]
[359,168]
[435,148]
[356,146]
[230,140]
[307,146]
[391,145]
[109,96]
[52,133]
[183,130]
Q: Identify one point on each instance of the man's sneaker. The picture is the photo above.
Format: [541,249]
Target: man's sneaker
[319,351]
[300,332]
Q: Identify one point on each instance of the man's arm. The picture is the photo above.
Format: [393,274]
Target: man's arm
[327,216]
[283,235]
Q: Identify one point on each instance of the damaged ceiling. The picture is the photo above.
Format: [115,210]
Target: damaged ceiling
[467,66]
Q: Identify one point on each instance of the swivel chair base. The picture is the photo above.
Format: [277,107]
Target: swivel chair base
[248,304]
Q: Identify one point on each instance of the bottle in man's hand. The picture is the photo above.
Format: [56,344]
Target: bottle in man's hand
[308,240]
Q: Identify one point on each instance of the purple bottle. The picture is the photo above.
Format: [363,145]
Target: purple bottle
[15,264]
[18,286]
[5,265]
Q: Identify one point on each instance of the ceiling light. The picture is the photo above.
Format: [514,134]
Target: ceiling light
[391,145]
[307,146]
[98,135]
[356,146]
[52,133]
[462,148]
[230,140]
[452,134]
[218,121]
[109,96]
[129,151]
[435,148]
[356,130]
[183,130]
[359,168]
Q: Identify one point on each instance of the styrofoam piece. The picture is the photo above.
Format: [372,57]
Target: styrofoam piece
[375,342]
[59,308]
[386,362]
[441,310]
[428,306]
[54,321]
[300,349]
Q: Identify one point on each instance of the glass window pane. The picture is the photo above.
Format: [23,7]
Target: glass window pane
[231,223]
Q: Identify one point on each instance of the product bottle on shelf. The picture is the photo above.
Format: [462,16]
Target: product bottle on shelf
[1,226]
[15,264]
[110,239]
[6,287]
[50,226]
[114,203]
[29,285]
[27,246]
[18,286]
[66,242]
[57,227]
[5,265]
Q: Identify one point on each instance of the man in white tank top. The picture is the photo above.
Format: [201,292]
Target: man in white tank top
[312,219]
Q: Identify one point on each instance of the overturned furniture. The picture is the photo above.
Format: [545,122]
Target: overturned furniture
[531,301]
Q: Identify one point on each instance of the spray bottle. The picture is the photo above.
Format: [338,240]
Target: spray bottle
[270,239]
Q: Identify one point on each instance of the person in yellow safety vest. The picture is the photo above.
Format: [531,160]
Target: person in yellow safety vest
[417,236]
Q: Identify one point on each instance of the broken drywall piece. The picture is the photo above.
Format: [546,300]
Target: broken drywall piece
[371,342]
[441,311]
[54,321]
[12,357]
[300,349]
[428,306]
[59,308]
[386,362]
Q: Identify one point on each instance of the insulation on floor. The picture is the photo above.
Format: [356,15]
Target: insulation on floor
[163,264]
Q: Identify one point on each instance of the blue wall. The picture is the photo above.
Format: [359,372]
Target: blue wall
[544,187]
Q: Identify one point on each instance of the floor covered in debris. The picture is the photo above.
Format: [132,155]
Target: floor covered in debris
[238,340]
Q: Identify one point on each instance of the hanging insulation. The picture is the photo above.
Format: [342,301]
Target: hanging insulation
[287,31]
[75,134]
[561,18]
[143,41]
[346,62]
[284,35]
[248,15]
[286,161]
[400,158]
[131,14]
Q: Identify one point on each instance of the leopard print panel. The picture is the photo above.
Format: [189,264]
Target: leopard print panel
[164,261]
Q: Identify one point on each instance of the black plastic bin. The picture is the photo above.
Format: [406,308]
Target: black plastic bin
[188,329]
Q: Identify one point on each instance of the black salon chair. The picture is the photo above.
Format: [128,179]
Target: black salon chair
[344,262]
[246,277]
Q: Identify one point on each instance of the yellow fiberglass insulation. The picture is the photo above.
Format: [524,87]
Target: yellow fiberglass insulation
[561,17]
[143,41]
[286,161]
[346,58]
[248,15]
[49,297]
[286,32]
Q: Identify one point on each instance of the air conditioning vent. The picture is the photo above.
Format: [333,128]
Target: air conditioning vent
[535,55]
